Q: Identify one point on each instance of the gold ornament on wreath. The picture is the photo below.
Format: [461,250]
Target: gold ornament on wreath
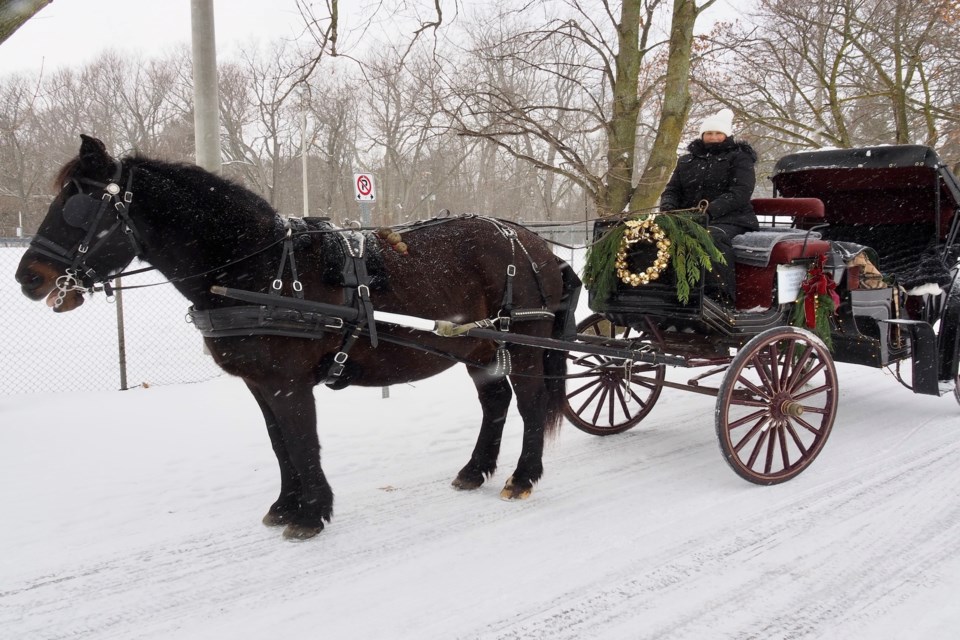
[643,231]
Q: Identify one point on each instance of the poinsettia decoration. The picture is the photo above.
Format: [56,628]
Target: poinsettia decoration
[817,301]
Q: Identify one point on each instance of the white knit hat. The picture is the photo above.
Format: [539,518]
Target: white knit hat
[721,121]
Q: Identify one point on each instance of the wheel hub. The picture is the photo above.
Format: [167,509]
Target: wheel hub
[791,408]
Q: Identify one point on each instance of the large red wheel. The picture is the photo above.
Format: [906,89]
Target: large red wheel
[776,405]
[600,400]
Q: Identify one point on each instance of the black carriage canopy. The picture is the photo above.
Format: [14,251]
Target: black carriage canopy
[900,200]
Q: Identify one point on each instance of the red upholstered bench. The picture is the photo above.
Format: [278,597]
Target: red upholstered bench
[755,284]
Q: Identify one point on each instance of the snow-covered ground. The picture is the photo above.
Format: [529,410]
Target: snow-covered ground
[137,515]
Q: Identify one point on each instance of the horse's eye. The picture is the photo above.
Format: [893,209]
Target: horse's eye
[79,210]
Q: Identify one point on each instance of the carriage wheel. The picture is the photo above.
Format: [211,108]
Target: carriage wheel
[599,399]
[956,389]
[776,405]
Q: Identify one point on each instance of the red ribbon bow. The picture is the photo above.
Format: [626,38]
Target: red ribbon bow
[818,283]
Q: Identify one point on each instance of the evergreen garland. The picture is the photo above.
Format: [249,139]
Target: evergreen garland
[817,301]
[691,249]
[825,309]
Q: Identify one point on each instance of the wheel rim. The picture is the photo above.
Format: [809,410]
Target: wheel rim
[599,399]
[776,406]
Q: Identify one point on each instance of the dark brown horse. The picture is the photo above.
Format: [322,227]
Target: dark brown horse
[200,230]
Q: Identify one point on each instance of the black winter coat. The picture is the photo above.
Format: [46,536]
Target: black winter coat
[721,174]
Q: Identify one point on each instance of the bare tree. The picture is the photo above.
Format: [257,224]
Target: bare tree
[849,73]
[551,92]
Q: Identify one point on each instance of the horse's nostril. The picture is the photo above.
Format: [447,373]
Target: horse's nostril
[29,280]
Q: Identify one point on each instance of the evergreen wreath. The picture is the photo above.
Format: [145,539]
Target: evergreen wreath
[689,249]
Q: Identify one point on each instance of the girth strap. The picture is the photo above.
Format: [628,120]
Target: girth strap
[356,292]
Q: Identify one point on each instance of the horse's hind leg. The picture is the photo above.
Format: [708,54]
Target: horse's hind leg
[495,396]
[294,412]
[287,505]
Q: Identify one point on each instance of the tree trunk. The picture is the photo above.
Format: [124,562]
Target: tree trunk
[622,126]
[676,106]
[13,13]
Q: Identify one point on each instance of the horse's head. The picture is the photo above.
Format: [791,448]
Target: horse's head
[87,235]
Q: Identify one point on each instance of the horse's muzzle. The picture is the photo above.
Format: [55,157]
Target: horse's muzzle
[36,279]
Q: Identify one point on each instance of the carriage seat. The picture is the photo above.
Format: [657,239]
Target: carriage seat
[758,253]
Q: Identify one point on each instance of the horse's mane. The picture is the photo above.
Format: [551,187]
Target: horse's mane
[65,173]
[189,171]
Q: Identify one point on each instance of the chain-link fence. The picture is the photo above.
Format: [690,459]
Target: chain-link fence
[44,352]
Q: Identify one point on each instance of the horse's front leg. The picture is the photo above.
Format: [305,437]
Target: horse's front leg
[495,396]
[298,452]
[538,405]
[287,504]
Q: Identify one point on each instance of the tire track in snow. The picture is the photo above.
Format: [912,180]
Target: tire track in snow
[628,599]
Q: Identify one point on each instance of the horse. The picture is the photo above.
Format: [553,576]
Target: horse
[203,231]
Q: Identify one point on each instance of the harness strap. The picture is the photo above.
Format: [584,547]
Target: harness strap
[506,315]
[288,254]
[356,292]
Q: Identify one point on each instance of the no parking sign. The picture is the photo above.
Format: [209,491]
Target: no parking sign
[363,187]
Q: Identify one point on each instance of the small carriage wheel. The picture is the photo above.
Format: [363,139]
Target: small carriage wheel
[776,405]
[599,399]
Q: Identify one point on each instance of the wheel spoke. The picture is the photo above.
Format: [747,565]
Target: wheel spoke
[771,447]
[811,392]
[764,434]
[623,402]
[784,452]
[805,356]
[744,420]
[640,401]
[752,387]
[611,396]
[809,375]
[796,439]
[774,368]
[580,390]
[764,367]
[590,398]
[757,427]
[600,402]
[787,371]
[806,425]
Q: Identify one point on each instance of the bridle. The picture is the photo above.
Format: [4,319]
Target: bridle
[85,211]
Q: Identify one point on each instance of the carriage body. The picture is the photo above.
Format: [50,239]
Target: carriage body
[896,205]
[902,202]
[899,203]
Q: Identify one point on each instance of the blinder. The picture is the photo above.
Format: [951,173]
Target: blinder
[80,210]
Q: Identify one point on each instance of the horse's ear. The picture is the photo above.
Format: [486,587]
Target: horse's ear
[94,158]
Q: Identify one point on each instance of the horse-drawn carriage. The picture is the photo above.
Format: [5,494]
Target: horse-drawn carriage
[286,304]
[877,226]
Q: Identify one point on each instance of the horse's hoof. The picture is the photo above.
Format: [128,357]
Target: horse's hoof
[466,484]
[511,491]
[275,519]
[300,532]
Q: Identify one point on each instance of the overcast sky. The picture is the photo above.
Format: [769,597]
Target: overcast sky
[69,32]
[72,32]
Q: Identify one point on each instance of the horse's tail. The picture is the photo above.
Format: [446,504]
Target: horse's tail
[555,362]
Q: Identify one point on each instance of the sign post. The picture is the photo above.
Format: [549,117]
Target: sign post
[366,194]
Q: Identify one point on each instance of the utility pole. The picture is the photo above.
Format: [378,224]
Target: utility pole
[206,99]
[303,156]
